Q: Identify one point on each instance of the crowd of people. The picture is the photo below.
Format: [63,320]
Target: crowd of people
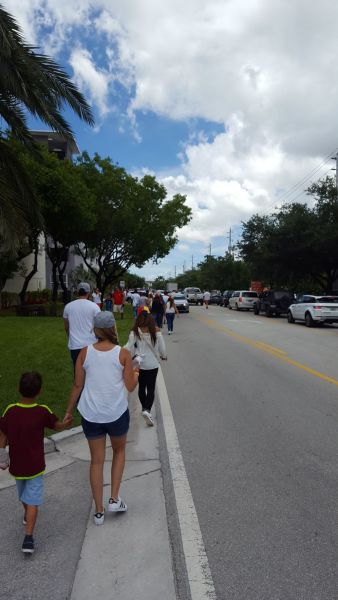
[104,373]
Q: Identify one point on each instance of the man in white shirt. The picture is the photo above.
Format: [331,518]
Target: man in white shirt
[206,298]
[78,318]
[136,301]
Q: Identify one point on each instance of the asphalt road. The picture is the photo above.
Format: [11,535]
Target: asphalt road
[256,411]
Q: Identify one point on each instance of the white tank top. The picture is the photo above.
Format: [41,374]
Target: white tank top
[104,396]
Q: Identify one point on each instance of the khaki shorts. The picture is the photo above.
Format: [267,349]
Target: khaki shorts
[118,308]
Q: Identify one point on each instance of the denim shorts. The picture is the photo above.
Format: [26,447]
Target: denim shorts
[114,429]
[30,491]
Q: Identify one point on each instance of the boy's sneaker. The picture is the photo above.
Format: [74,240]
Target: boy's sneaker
[116,505]
[99,518]
[28,544]
[148,418]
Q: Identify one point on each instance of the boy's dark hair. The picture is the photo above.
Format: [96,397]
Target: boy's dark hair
[30,384]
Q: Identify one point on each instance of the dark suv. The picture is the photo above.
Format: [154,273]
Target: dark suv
[274,303]
[225,297]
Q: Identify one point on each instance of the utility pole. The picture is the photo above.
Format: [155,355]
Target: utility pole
[184,267]
[210,249]
[192,262]
[175,271]
[230,244]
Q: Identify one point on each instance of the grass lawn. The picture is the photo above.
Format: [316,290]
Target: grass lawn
[40,344]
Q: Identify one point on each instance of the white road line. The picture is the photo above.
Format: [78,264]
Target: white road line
[198,570]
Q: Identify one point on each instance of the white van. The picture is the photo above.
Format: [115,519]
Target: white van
[193,295]
[243,299]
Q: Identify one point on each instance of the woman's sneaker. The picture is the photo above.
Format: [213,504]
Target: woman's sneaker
[148,418]
[28,544]
[116,505]
[99,518]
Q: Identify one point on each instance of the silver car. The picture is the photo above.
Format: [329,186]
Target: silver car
[243,299]
[181,302]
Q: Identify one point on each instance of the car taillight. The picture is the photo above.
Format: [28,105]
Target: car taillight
[241,299]
[318,307]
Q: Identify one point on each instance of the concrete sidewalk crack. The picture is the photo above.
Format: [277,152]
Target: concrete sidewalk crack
[136,476]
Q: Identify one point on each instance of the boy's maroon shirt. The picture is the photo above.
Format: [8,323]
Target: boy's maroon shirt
[24,426]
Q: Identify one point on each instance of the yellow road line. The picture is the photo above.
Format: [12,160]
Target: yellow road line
[276,352]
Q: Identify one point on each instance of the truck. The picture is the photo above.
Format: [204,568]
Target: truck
[193,295]
[171,286]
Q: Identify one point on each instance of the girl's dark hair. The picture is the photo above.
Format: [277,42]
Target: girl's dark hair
[107,333]
[30,384]
[171,301]
[145,320]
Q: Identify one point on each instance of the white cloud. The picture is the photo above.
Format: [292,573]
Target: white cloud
[265,70]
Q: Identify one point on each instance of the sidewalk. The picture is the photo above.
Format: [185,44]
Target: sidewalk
[128,557]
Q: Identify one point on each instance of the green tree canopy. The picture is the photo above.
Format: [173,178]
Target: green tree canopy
[135,222]
[29,83]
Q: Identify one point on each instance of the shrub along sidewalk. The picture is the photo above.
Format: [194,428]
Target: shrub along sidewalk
[40,344]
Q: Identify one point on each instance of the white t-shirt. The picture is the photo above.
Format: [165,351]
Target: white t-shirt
[136,299]
[104,396]
[96,298]
[206,296]
[80,314]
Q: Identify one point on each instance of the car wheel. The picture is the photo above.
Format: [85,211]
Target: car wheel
[308,320]
[290,317]
[236,306]
[269,312]
[229,307]
[256,309]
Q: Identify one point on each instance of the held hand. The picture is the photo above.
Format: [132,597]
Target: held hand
[68,419]
[164,358]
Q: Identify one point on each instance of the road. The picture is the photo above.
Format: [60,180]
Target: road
[255,404]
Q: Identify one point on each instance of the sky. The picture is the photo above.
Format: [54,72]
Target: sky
[233,104]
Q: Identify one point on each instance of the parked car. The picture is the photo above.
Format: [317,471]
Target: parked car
[314,310]
[274,302]
[193,295]
[181,302]
[243,299]
[215,298]
[225,297]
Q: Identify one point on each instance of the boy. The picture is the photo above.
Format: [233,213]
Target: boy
[22,426]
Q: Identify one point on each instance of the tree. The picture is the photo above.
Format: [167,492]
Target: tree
[135,222]
[34,83]
[297,244]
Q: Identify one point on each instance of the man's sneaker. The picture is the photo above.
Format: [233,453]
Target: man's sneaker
[116,505]
[148,418]
[28,544]
[99,518]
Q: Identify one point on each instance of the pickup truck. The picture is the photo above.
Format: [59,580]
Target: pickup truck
[193,295]
[314,310]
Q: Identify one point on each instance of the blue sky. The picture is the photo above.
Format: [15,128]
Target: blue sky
[218,100]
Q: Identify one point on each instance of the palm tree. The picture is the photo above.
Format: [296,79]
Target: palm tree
[29,83]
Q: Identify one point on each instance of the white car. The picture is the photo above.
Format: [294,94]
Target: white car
[181,302]
[314,309]
[243,299]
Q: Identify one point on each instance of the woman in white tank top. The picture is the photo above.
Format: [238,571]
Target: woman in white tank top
[103,375]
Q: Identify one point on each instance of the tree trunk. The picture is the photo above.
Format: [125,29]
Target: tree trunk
[31,274]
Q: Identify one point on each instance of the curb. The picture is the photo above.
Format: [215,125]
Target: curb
[50,444]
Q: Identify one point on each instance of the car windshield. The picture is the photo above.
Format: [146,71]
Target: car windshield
[328,299]
[250,295]
[179,297]
[279,295]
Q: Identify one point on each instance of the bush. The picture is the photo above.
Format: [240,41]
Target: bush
[9,299]
[38,297]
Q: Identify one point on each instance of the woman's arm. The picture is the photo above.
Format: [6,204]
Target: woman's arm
[130,375]
[78,384]
[130,343]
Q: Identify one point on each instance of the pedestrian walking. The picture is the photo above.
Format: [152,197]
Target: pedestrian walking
[108,302]
[135,302]
[22,427]
[78,318]
[157,310]
[97,297]
[146,342]
[206,298]
[118,302]
[103,374]
[170,312]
